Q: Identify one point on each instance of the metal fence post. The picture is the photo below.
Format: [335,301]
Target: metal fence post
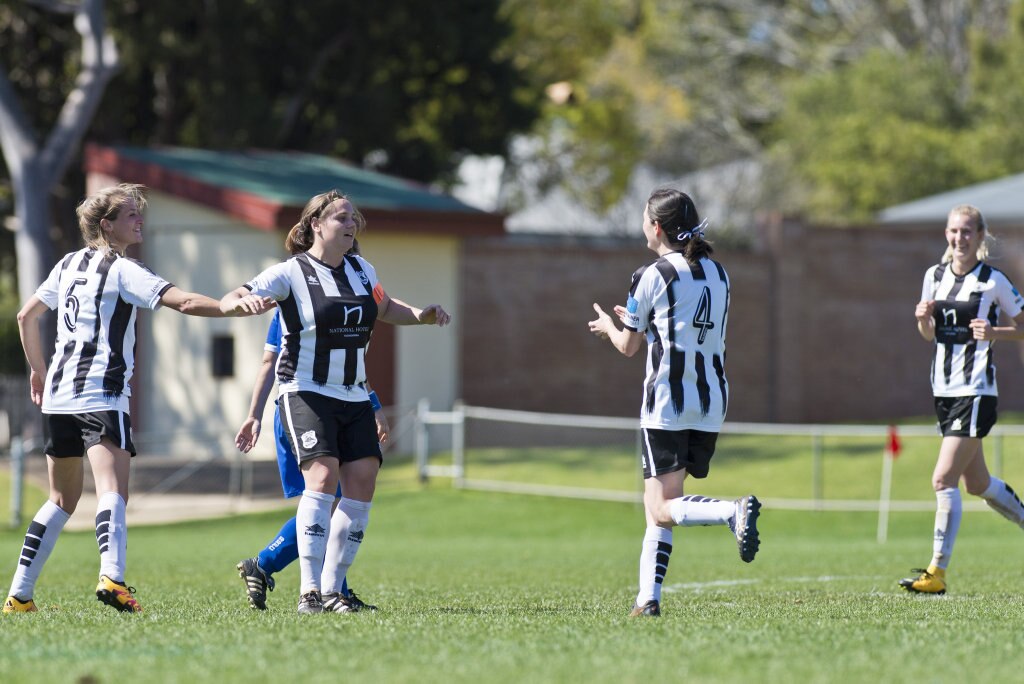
[817,471]
[422,408]
[17,479]
[459,442]
[997,455]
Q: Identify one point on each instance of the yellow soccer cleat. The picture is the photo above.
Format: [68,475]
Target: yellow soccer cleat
[650,609]
[930,581]
[15,605]
[117,595]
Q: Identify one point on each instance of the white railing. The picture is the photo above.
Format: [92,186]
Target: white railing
[456,419]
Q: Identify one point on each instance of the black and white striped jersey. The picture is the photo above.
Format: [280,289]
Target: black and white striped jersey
[327,316]
[963,366]
[95,293]
[683,308]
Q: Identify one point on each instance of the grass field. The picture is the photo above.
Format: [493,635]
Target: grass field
[509,588]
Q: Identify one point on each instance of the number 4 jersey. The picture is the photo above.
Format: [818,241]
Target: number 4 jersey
[963,366]
[95,293]
[683,309]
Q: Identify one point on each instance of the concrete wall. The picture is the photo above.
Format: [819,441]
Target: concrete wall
[821,326]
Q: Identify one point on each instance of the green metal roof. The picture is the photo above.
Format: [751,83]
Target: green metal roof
[291,178]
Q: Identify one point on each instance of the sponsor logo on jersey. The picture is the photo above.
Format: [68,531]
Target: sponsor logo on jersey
[308,439]
[311,279]
[632,320]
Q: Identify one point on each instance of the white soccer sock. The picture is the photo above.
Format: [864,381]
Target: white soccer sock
[947,523]
[347,528]
[654,556]
[1001,498]
[692,510]
[312,522]
[112,535]
[39,542]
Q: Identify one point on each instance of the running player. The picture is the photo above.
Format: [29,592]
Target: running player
[329,302]
[84,392]
[680,304]
[959,312]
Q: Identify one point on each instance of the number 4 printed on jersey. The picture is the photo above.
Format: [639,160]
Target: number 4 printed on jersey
[702,318]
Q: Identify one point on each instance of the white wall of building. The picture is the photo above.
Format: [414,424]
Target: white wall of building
[420,271]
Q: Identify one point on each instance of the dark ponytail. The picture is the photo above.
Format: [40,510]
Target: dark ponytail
[677,215]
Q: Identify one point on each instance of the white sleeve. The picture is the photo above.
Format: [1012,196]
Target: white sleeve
[640,301]
[48,291]
[1008,296]
[928,287]
[273,282]
[138,285]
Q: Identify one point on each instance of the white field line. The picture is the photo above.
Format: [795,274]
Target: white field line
[698,587]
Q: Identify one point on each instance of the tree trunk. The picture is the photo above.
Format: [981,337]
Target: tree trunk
[32,243]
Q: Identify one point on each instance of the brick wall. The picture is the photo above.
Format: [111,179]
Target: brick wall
[821,325]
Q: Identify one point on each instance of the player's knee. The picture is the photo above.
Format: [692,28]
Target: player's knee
[67,502]
[659,515]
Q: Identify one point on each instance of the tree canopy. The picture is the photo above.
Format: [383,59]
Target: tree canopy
[404,87]
[892,127]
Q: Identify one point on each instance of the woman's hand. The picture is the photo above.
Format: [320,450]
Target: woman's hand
[383,428]
[248,434]
[433,314]
[602,326]
[35,387]
[924,310]
[982,329]
[234,304]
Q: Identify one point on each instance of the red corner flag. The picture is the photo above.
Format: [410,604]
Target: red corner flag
[893,445]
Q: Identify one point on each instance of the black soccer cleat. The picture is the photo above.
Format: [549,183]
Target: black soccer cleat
[744,526]
[336,602]
[257,582]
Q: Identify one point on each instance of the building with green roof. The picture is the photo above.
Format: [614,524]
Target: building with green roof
[216,219]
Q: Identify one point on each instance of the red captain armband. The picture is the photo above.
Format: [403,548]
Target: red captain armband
[378,293]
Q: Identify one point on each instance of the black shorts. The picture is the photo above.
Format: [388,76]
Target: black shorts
[966,416]
[319,425]
[71,434]
[666,451]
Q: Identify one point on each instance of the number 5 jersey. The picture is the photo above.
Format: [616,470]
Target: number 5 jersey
[95,293]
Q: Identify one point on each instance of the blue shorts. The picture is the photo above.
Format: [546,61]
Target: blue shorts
[291,477]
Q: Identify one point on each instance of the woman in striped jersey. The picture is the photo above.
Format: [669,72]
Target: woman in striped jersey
[962,301]
[84,392]
[329,302]
[257,572]
[680,305]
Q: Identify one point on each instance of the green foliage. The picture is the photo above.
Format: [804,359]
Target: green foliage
[893,127]
[476,586]
[880,131]
[406,86]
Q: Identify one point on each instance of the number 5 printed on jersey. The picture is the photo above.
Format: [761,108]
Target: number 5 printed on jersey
[71,304]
